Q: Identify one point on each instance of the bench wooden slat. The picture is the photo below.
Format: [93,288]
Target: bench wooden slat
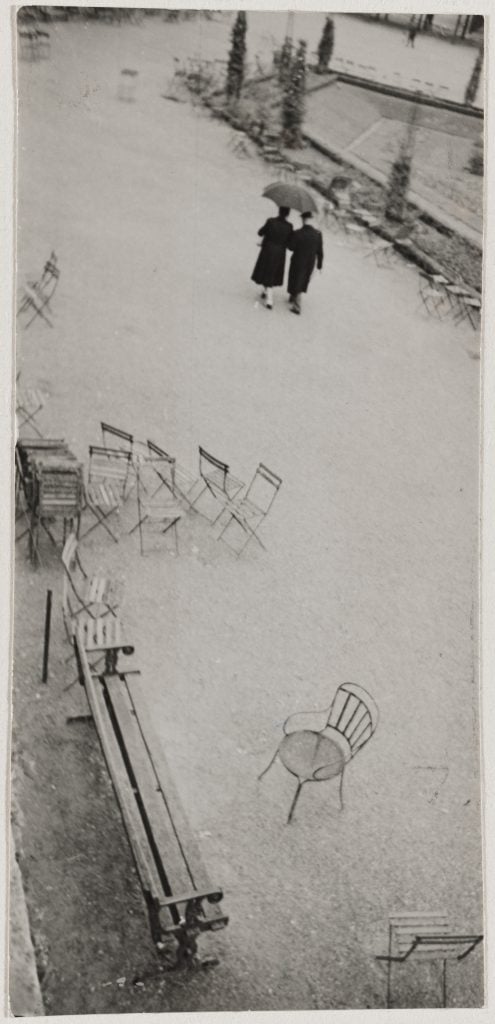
[184,836]
[153,800]
[145,864]
[163,848]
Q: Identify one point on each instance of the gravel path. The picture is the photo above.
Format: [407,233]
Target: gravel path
[368,410]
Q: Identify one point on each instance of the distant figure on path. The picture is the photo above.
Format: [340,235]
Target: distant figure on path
[307,249]
[270,265]
[412,33]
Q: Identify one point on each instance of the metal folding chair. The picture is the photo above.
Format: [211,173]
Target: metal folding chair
[57,496]
[171,475]
[252,509]
[114,437]
[381,250]
[28,404]
[424,936]
[435,298]
[105,491]
[217,481]
[38,294]
[155,513]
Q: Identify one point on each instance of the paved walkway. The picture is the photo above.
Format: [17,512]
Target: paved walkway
[375,51]
[368,410]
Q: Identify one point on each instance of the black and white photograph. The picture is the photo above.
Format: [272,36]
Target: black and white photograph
[248,342]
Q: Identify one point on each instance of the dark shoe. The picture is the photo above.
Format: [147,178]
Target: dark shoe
[294,309]
[268,305]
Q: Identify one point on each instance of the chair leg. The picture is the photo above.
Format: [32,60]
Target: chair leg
[294,802]
[100,521]
[444,984]
[268,765]
[341,790]
[389,983]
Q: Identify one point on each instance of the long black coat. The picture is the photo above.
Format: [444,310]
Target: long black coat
[270,265]
[307,249]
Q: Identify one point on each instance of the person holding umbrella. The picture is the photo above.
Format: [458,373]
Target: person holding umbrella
[307,249]
[270,265]
[306,244]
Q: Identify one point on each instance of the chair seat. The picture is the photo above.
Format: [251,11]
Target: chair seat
[227,485]
[305,752]
[245,508]
[103,495]
[159,513]
[97,590]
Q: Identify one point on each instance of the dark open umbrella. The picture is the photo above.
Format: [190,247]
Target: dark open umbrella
[294,196]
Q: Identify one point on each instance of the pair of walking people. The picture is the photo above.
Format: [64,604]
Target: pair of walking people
[306,245]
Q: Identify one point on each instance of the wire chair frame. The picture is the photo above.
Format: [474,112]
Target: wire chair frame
[218,480]
[164,515]
[250,511]
[341,719]
[181,483]
[108,474]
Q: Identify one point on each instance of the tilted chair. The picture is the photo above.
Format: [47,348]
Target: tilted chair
[424,936]
[316,755]
[217,480]
[38,294]
[250,511]
[84,595]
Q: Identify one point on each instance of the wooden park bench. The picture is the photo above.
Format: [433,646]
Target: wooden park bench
[180,899]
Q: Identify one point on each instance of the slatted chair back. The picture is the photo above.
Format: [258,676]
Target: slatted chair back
[60,492]
[213,471]
[118,438]
[109,466]
[68,586]
[353,714]
[262,490]
[405,928]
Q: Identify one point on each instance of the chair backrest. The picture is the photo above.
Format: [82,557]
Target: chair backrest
[109,465]
[162,463]
[60,491]
[119,438]
[263,489]
[208,463]
[426,935]
[354,714]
